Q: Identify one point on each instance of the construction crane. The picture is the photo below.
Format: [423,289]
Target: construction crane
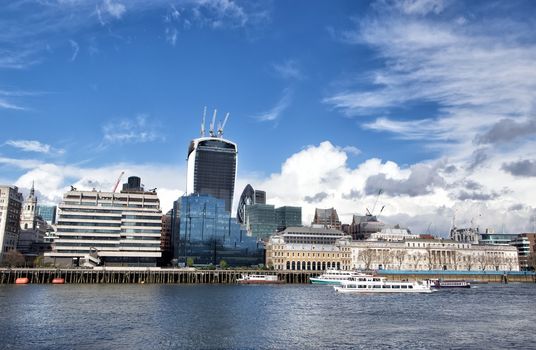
[118,180]
[211,131]
[376,202]
[222,126]
[203,122]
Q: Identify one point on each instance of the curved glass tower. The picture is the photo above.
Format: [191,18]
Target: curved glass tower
[212,168]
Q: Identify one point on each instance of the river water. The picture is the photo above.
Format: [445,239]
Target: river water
[491,316]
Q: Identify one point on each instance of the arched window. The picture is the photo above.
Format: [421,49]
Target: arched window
[25,226]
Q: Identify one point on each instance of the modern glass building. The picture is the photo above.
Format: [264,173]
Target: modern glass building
[249,196]
[260,220]
[48,213]
[212,168]
[207,234]
[288,216]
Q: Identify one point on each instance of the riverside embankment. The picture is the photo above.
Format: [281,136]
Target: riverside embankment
[183,276]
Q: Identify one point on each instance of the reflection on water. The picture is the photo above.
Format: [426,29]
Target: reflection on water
[291,316]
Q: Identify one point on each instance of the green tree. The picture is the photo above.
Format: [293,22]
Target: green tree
[223,264]
[14,258]
[38,261]
[189,262]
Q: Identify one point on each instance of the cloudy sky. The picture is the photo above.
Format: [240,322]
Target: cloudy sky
[431,101]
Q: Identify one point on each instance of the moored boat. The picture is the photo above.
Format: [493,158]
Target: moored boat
[376,284]
[259,279]
[440,283]
[333,277]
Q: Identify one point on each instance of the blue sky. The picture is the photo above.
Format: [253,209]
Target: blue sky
[430,100]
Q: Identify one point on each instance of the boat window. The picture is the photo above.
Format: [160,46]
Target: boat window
[376,286]
[410,287]
[396,286]
[376,279]
[403,286]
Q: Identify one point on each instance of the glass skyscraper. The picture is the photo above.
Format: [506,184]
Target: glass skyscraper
[260,220]
[212,168]
[288,216]
[207,234]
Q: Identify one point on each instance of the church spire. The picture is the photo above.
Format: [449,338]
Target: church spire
[32,190]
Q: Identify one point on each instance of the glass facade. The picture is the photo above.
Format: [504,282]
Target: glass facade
[214,168]
[207,234]
[260,220]
[288,217]
[48,213]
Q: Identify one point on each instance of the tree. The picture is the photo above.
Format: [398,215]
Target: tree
[430,258]
[367,256]
[189,261]
[400,256]
[417,257]
[482,261]
[38,261]
[469,261]
[223,264]
[13,258]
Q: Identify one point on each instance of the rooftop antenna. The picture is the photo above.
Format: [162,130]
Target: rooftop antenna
[211,131]
[203,122]
[222,126]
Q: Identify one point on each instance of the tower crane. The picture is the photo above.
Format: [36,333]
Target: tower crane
[118,180]
[222,126]
[211,131]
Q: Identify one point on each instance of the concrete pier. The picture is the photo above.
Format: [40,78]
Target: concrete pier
[178,276]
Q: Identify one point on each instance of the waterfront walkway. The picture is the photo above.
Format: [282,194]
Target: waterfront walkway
[181,276]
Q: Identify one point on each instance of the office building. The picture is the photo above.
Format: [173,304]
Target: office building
[10,209]
[212,165]
[207,234]
[260,220]
[120,229]
[48,213]
[288,216]
[249,196]
[327,218]
[165,239]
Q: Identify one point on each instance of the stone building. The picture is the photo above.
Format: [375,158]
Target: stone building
[32,228]
[307,248]
[432,254]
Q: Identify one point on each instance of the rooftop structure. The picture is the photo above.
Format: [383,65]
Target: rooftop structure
[364,225]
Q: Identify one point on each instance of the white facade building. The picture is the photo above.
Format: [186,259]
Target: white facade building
[432,254]
[32,226]
[121,228]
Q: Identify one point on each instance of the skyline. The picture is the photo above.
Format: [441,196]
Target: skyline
[430,101]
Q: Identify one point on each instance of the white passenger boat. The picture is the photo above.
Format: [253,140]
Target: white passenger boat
[259,279]
[376,284]
[333,277]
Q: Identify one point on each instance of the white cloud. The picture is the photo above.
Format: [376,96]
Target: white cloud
[274,113]
[288,70]
[8,105]
[115,9]
[352,150]
[53,180]
[75,48]
[137,130]
[29,145]
[477,74]
[421,7]
[426,194]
